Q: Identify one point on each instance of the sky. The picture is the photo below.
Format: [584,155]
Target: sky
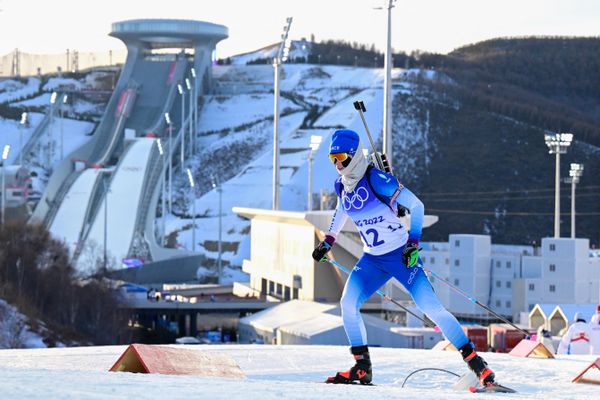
[40,26]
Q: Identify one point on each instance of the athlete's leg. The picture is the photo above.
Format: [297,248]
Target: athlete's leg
[419,287]
[363,281]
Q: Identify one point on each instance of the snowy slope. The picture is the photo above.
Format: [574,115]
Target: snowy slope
[281,372]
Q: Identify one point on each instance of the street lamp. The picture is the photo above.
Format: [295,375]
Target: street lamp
[62,138]
[164,193]
[279,58]
[4,157]
[188,85]
[106,190]
[192,186]
[53,97]
[557,144]
[216,184]
[575,173]
[194,111]
[170,128]
[22,124]
[315,142]
[182,146]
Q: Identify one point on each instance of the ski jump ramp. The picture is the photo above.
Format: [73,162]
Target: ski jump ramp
[71,205]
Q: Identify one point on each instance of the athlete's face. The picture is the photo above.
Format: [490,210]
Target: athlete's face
[338,165]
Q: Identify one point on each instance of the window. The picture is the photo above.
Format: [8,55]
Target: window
[295,293]
[457,243]
[508,264]
[279,289]
[286,293]
[507,303]
[498,303]
[457,262]
[497,264]
[498,284]
[263,286]
[553,288]
[552,267]
[531,287]
[432,260]
[552,247]
[456,282]
[508,284]
[271,287]
[531,307]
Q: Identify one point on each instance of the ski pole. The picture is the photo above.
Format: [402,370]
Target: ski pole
[474,300]
[379,292]
[381,160]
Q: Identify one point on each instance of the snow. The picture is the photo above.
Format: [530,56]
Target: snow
[11,131]
[67,224]
[281,372]
[125,190]
[15,90]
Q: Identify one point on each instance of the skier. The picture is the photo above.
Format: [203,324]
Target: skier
[372,199]
[577,338]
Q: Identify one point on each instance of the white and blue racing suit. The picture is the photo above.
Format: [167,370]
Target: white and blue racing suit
[384,238]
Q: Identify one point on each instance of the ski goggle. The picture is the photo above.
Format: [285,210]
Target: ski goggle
[341,157]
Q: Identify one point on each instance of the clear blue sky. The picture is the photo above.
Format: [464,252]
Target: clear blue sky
[51,26]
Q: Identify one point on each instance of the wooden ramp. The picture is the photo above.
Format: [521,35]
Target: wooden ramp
[531,348]
[153,359]
[593,366]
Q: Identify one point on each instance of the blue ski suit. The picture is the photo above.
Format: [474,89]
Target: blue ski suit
[372,207]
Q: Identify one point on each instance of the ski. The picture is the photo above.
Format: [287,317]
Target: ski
[349,383]
[492,388]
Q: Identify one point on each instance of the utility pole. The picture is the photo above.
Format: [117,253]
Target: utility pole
[387,87]
[282,55]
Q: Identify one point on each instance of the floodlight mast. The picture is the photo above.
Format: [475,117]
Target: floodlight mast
[557,144]
[387,86]
[575,173]
[315,142]
[281,56]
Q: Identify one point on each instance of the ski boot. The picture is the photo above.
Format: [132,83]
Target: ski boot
[359,373]
[478,365]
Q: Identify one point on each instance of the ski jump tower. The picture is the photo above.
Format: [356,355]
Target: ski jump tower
[144,35]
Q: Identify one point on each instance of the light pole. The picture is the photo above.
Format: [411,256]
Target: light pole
[216,184]
[182,145]
[387,87]
[315,142]
[282,53]
[62,138]
[575,173]
[557,144]
[188,85]
[105,221]
[50,129]
[170,128]
[193,190]
[194,111]
[164,192]
[5,153]
[22,124]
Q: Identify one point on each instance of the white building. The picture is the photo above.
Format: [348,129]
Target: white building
[512,279]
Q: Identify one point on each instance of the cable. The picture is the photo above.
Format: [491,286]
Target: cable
[503,191]
[499,199]
[503,213]
[428,369]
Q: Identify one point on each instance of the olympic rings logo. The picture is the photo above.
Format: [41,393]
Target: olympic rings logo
[357,200]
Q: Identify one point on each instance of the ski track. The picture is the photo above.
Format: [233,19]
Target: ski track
[281,372]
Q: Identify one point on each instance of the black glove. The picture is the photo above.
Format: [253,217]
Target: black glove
[319,252]
[410,254]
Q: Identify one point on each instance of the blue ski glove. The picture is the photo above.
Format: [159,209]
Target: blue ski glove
[319,252]
[410,254]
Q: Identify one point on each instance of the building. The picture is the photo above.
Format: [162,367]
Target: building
[512,279]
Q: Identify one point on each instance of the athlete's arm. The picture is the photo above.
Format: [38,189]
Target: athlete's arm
[407,199]
[387,186]
[338,220]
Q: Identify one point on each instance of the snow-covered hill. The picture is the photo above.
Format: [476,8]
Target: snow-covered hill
[236,135]
[282,372]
